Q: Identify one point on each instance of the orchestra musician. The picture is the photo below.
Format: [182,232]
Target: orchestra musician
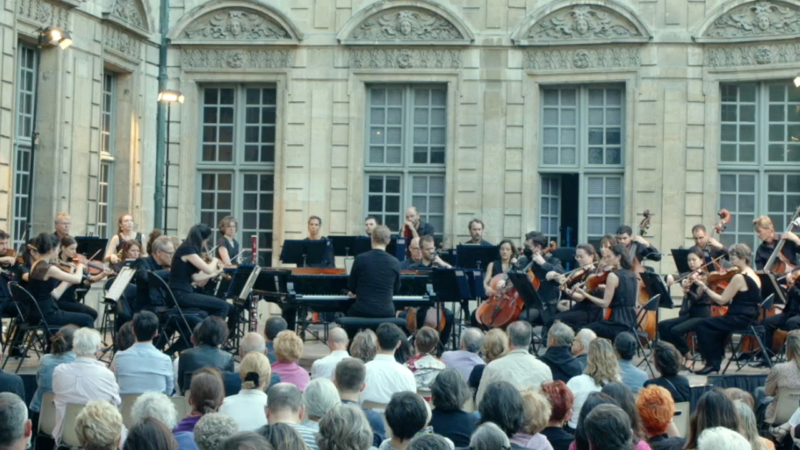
[765,230]
[475,228]
[227,245]
[69,301]
[155,234]
[789,319]
[413,227]
[430,260]
[742,295]
[370,222]
[125,232]
[506,262]
[636,245]
[315,234]
[546,268]
[62,223]
[707,245]
[7,307]
[582,312]
[131,250]
[415,255]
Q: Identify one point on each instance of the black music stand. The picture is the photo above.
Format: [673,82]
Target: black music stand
[770,286]
[303,253]
[344,245]
[526,290]
[452,285]
[90,246]
[397,248]
[362,244]
[679,255]
[655,286]
[476,256]
[235,288]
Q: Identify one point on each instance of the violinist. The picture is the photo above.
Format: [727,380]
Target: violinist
[7,308]
[68,300]
[765,230]
[621,293]
[227,245]
[125,232]
[696,305]
[636,246]
[742,295]
[130,250]
[789,319]
[710,247]
[508,258]
[582,312]
[315,234]
[430,260]
[546,268]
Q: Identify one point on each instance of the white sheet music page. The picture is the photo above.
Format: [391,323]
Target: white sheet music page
[120,283]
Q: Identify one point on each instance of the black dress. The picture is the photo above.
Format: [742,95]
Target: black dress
[695,308]
[789,320]
[41,290]
[180,282]
[233,248]
[623,315]
[120,240]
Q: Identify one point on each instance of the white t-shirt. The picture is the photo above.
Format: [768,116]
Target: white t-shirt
[246,408]
[385,377]
[581,386]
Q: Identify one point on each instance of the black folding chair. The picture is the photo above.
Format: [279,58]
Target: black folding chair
[178,320]
[35,331]
[643,341]
[754,329]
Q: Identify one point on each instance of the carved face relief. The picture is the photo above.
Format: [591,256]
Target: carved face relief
[406,24]
[583,22]
[235,27]
[405,27]
[759,19]
[582,26]
[763,21]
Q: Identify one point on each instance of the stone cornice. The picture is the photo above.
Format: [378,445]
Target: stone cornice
[582,58]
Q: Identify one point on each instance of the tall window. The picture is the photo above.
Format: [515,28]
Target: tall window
[759,165]
[24,135]
[405,161]
[581,158]
[106,152]
[237,161]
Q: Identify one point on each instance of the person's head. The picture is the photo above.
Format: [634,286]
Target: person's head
[625,345]
[502,404]
[213,332]
[748,426]
[695,259]
[212,429]
[720,438]
[227,226]
[131,249]
[734,394]
[150,434]
[740,255]
[288,346]
[15,428]
[381,236]
[125,337]
[471,340]
[273,326]
[793,346]
[619,257]
[337,339]
[246,440]
[3,241]
[282,436]
[519,335]
[151,238]
[157,406]
[560,335]
[389,337]
[594,400]
[506,250]
[284,404]
[207,391]
[414,249]
[370,223]
[428,247]
[429,442]
[255,371]
[623,396]
[582,341]
[713,409]
[449,390]
[764,228]
[314,225]
[46,245]
[69,247]
[125,223]
[162,250]
[406,415]
[252,342]
[561,400]
[489,436]
[495,344]
[320,396]
[475,229]
[61,342]
[666,358]
[606,242]
[656,409]
[585,254]
[412,215]
[198,236]
[700,236]
[426,340]
[99,426]
[624,235]
[344,427]
[86,342]
[535,241]
[608,428]
[601,364]
[349,376]
[145,326]
[364,345]
[536,411]
[62,223]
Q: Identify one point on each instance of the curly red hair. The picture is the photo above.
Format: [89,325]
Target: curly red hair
[561,397]
[656,408]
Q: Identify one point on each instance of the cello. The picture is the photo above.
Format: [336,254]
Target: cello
[647,319]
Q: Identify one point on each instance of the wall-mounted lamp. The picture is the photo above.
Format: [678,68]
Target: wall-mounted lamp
[55,36]
[170,97]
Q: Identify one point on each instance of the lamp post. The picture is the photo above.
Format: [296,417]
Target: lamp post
[168,98]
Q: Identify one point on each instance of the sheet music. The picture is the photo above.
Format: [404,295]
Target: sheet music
[248,285]
[120,283]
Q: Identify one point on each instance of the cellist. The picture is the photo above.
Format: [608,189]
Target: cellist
[765,230]
[789,319]
[636,245]
[546,268]
[507,259]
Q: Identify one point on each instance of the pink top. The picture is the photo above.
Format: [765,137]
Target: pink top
[642,445]
[291,373]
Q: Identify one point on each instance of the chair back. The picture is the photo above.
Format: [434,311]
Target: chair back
[155,281]
[788,400]
[21,298]
[181,404]
[469,405]
[652,304]
[47,414]
[27,303]
[768,302]
[682,417]
[127,406]
[69,437]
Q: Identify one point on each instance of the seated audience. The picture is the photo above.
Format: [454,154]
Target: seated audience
[656,409]
[634,377]
[406,415]
[247,407]
[721,438]
[466,357]
[749,428]
[337,343]
[430,442]
[285,405]
[288,350]
[734,393]
[212,429]
[784,375]
[536,415]
[594,400]
[125,337]
[281,436]
[246,440]
[406,350]
[504,407]
[608,428]
[60,353]
[558,357]
[99,426]
[449,391]
[84,379]
[495,345]
[156,406]
[150,434]
[624,398]
[668,362]
[142,367]
[364,346]
[489,436]
[561,400]
[713,409]
[251,342]
[10,382]
[349,379]
[210,336]
[601,368]
[424,365]
[344,427]
[518,367]
[272,328]
[580,345]
[385,376]
[206,396]
[177,361]
[15,427]
[318,398]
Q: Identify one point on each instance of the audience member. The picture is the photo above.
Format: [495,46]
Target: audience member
[15,427]
[713,409]
[142,367]
[594,400]
[247,407]
[337,343]
[344,427]
[406,415]
[466,357]
[156,406]
[784,375]
[99,426]
[489,436]
[656,409]
[285,405]
[734,393]
[406,350]
[503,406]
[288,350]
[424,365]
[251,342]
[349,379]
[580,346]
[748,427]
[246,440]
[84,379]
[282,436]
[668,362]
[601,368]
[206,396]
[561,401]
[318,398]
[449,391]
[558,356]
[272,328]
[385,376]
[495,345]
[150,434]
[721,438]
[124,339]
[429,442]
[212,430]
[210,336]
[624,398]
[518,367]
[60,353]
[608,428]
[10,382]
[176,362]
[364,346]
[536,413]
[634,377]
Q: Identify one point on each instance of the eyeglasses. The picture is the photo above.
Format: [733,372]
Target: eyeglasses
[167,253]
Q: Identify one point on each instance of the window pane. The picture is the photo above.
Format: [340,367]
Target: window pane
[604,204]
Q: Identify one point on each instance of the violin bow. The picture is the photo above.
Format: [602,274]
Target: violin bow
[779,246]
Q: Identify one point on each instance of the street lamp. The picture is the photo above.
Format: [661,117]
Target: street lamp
[797,81]
[54,36]
[168,98]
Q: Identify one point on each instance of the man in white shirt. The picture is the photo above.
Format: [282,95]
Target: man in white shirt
[143,368]
[466,358]
[83,380]
[518,367]
[337,343]
[385,376]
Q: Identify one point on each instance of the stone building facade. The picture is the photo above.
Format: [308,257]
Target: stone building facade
[567,116]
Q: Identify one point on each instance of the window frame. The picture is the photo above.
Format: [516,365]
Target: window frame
[23,148]
[107,154]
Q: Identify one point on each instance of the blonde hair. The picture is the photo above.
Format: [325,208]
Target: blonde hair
[763,222]
[258,363]
[225,222]
[747,425]
[62,215]
[536,410]
[793,346]
[495,344]
[99,426]
[288,346]
[601,364]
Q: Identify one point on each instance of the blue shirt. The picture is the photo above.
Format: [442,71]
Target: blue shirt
[632,376]
[143,368]
[44,376]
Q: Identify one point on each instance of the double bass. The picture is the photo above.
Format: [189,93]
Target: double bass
[647,319]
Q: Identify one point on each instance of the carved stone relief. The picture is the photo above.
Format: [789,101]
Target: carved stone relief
[751,55]
[44,12]
[405,59]
[129,13]
[235,25]
[761,18]
[595,58]
[121,42]
[208,58]
[583,23]
[406,24]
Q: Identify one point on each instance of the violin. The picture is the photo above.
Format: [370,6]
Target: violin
[208,259]
[93,267]
[719,280]
[594,280]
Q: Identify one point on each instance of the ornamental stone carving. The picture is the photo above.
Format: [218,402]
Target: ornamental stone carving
[595,58]
[761,18]
[750,55]
[406,25]
[44,13]
[583,23]
[129,13]
[122,43]
[235,25]
[405,59]
[199,59]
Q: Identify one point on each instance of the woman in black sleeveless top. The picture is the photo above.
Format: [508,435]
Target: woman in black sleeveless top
[68,300]
[743,296]
[227,246]
[124,233]
[575,312]
[508,257]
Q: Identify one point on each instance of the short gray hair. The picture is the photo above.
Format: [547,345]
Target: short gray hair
[252,342]
[344,427]
[585,338]
[488,436]
[429,442]
[721,438]
[320,396]
[13,416]
[519,334]
[472,339]
[155,405]
[283,396]
[337,336]
[99,426]
[561,334]
[86,342]
[246,440]
[161,243]
[212,429]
